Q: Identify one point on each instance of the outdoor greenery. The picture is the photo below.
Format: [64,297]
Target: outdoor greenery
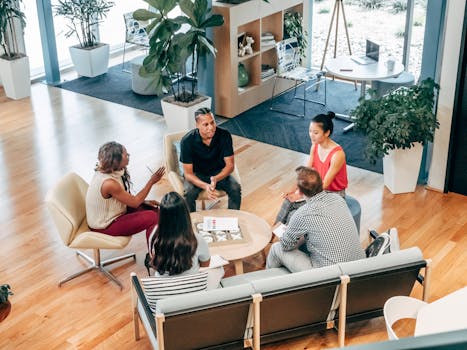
[175,40]
[293,28]
[371,4]
[9,12]
[83,16]
[399,6]
[4,293]
[399,119]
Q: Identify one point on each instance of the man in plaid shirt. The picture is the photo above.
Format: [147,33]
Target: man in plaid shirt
[322,232]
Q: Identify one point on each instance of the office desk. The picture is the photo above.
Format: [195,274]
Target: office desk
[344,67]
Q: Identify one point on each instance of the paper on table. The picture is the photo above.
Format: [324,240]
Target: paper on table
[216,261]
[213,223]
[279,230]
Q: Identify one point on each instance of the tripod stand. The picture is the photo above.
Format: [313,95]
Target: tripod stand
[339,4]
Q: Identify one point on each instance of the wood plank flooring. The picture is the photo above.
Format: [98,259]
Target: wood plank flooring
[57,131]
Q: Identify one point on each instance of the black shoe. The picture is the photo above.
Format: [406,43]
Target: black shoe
[147,260]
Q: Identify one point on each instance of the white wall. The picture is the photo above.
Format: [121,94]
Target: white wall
[448,78]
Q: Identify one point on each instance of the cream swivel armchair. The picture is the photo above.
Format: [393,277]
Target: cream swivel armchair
[174,168]
[66,204]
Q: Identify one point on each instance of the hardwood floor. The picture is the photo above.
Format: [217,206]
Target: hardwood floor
[57,131]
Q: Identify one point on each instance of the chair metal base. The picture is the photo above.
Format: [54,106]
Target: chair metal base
[97,264]
[304,99]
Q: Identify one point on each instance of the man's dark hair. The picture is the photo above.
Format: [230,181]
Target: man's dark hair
[202,111]
[308,181]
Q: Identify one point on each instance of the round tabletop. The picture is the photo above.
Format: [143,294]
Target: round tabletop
[256,228]
[346,68]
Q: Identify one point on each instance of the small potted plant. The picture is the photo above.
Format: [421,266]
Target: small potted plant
[397,126]
[5,306]
[173,41]
[90,57]
[14,64]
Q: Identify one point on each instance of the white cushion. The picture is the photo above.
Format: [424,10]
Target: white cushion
[157,288]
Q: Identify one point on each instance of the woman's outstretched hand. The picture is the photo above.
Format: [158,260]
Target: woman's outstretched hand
[157,175]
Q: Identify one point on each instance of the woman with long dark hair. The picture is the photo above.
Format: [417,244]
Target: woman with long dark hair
[110,206]
[174,248]
[327,157]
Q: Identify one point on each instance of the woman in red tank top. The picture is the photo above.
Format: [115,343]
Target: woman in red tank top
[326,156]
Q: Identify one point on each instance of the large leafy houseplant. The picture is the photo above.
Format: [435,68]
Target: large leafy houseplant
[83,16]
[174,40]
[399,119]
[9,12]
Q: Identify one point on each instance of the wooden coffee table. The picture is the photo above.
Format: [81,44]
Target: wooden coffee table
[256,228]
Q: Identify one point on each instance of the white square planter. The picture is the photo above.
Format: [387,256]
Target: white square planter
[181,118]
[401,168]
[90,62]
[15,77]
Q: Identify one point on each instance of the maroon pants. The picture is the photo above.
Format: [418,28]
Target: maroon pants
[135,220]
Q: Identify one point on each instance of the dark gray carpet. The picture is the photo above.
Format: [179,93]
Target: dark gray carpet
[114,86]
[258,123]
[261,124]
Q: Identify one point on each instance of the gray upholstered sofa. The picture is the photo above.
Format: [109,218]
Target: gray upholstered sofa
[271,305]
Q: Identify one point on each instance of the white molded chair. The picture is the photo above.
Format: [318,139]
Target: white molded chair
[135,34]
[288,67]
[67,207]
[400,307]
[173,169]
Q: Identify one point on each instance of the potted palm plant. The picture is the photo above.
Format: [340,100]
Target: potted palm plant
[14,64]
[173,42]
[397,126]
[90,57]
[5,305]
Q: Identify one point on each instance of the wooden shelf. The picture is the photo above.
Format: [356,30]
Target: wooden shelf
[246,57]
[251,18]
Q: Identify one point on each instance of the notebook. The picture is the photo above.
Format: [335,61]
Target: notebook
[371,55]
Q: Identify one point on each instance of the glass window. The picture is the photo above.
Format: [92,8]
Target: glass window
[380,21]
[32,39]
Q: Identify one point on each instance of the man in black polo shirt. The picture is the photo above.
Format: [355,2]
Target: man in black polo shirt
[208,161]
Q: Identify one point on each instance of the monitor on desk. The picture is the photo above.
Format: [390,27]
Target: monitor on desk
[371,54]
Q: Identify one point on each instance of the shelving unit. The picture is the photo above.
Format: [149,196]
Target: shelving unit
[253,17]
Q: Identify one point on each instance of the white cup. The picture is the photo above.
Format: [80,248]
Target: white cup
[390,64]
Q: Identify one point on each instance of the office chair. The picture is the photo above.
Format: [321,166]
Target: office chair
[288,67]
[135,34]
[67,207]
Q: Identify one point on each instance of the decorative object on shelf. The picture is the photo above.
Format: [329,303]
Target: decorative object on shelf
[245,43]
[14,64]
[293,28]
[267,71]
[241,50]
[243,78]
[5,305]
[89,57]
[248,46]
[394,123]
[267,39]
